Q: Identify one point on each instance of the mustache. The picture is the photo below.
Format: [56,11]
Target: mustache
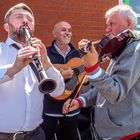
[20,33]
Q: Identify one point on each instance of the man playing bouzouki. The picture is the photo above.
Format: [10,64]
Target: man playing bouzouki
[66,59]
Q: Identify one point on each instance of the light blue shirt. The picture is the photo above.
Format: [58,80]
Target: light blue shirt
[21,103]
[60,52]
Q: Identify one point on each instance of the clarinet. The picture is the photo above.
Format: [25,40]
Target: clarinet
[46,85]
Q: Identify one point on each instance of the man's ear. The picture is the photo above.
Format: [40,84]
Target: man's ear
[129,23]
[6,27]
[53,32]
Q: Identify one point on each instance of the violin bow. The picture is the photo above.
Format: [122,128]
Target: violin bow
[77,90]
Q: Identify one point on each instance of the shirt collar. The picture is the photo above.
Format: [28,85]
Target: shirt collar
[10,41]
[59,51]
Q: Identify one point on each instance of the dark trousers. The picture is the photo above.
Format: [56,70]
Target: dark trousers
[64,127]
[37,135]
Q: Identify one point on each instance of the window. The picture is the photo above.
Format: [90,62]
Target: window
[135,4]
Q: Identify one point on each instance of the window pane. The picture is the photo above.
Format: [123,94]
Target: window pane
[135,4]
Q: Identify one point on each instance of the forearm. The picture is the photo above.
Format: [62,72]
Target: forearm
[54,74]
[46,62]
[7,73]
[11,71]
[88,98]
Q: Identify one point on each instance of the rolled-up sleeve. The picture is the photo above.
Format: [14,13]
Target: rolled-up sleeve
[56,75]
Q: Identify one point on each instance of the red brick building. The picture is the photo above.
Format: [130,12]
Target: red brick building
[85,16]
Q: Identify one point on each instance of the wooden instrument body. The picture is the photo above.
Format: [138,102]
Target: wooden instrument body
[73,63]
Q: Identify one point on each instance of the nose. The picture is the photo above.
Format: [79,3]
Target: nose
[24,23]
[108,29]
[67,32]
[25,19]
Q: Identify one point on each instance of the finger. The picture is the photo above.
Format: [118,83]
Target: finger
[66,106]
[37,42]
[71,107]
[83,40]
[82,43]
[65,109]
[27,50]
[62,70]
[26,53]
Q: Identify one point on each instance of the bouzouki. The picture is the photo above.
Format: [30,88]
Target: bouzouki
[73,85]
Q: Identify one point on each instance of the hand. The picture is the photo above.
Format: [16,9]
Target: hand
[37,43]
[107,58]
[67,73]
[91,57]
[70,105]
[23,58]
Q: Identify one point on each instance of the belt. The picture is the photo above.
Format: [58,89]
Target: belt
[135,136]
[20,135]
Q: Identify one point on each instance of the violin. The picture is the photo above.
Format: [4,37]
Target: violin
[109,45]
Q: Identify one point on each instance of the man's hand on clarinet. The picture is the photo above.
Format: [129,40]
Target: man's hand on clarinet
[23,58]
[37,43]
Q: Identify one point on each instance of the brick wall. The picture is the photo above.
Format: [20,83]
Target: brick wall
[85,16]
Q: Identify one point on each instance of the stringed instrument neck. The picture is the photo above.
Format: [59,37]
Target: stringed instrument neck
[73,63]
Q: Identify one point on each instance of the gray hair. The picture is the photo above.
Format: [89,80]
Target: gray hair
[126,11]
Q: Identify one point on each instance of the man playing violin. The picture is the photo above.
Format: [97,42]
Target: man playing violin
[116,92]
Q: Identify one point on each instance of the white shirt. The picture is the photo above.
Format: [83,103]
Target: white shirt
[21,103]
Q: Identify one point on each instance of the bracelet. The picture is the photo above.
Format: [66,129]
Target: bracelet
[79,101]
[91,69]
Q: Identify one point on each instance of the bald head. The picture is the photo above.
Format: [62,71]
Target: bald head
[62,32]
[60,25]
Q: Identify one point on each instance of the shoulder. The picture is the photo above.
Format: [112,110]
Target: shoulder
[137,44]
[2,45]
[3,48]
[132,47]
[51,47]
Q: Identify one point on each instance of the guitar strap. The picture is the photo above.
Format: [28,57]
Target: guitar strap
[32,65]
